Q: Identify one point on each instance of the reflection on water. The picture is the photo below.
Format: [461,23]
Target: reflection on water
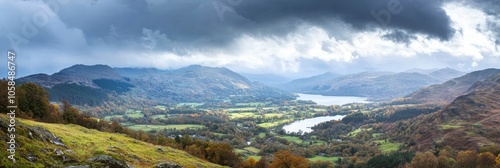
[306,124]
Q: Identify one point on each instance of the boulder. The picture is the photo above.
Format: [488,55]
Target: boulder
[167,165]
[106,161]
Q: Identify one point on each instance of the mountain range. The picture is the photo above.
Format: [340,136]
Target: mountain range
[374,85]
[92,85]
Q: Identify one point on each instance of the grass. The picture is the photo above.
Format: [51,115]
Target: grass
[256,157]
[388,146]
[293,139]
[252,104]
[241,109]
[273,124]
[241,115]
[108,118]
[449,126]
[147,128]
[159,116]
[355,132]
[270,115]
[252,149]
[261,135]
[332,159]
[161,107]
[86,143]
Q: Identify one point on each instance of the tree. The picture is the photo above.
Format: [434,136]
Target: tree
[249,163]
[445,162]
[285,159]
[262,163]
[424,160]
[498,160]
[222,153]
[485,160]
[33,99]
[466,159]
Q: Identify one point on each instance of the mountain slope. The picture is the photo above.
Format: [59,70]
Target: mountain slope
[302,84]
[58,145]
[93,85]
[451,89]
[469,122]
[445,74]
[375,85]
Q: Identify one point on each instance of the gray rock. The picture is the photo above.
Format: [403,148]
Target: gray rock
[46,136]
[168,165]
[106,161]
[58,152]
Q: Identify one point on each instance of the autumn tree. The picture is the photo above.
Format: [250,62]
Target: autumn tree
[424,160]
[222,153]
[33,100]
[262,163]
[485,160]
[498,160]
[249,163]
[466,159]
[285,159]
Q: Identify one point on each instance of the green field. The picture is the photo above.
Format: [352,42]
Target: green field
[161,107]
[388,146]
[159,127]
[241,115]
[332,159]
[252,104]
[293,139]
[449,126]
[355,132]
[252,149]
[270,115]
[243,109]
[108,118]
[159,116]
[273,124]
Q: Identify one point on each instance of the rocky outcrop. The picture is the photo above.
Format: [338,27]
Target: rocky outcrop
[106,161]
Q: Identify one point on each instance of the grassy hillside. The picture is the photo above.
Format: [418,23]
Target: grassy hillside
[81,144]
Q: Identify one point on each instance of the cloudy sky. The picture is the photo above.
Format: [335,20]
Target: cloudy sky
[284,37]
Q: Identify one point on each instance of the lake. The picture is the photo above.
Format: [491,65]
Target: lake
[332,100]
[306,124]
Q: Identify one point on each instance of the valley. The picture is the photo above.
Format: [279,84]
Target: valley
[191,106]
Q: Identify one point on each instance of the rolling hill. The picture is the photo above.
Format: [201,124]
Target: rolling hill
[93,85]
[374,85]
[60,145]
[469,122]
[449,90]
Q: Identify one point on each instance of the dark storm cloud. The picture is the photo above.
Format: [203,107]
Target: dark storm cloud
[416,16]
[199,22]
[399,36]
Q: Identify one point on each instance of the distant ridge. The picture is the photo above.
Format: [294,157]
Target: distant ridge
[94,84]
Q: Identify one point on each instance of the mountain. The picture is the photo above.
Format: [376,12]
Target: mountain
[445,74]
[267,79]
[93,85]
[78,74]
[374,85]
[469,122]
[62,145]
[299,85]
[449,90]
